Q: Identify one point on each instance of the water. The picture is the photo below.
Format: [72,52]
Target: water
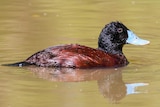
[29,26]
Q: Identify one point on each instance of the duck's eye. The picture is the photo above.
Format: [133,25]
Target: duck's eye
[120,30]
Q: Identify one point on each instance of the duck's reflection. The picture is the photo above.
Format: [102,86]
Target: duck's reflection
[110,81]
[112,86]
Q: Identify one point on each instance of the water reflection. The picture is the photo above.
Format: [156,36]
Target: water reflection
[113,87]
[110,82]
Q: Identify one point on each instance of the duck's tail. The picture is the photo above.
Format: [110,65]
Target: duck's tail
[19,64]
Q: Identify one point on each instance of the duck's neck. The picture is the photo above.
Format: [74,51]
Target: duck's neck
[118,53]
[111,49]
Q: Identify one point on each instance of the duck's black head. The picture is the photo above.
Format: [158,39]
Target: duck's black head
[113,37]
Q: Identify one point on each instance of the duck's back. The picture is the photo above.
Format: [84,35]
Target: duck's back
[75,56]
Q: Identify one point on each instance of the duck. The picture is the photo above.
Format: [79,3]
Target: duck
[109,53]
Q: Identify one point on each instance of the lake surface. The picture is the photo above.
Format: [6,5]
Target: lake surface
[27,26]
